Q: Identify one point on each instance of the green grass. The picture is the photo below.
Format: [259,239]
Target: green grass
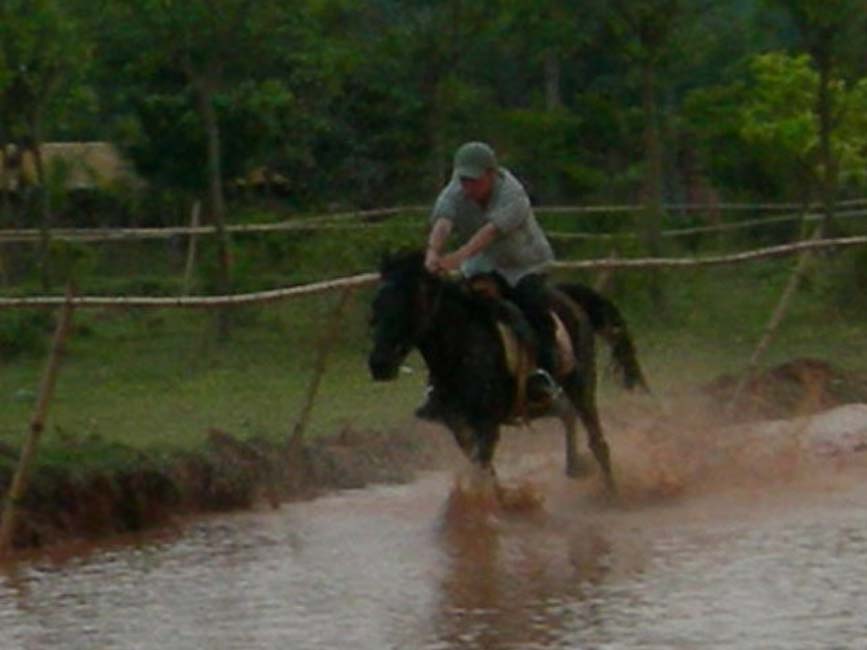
[158,380]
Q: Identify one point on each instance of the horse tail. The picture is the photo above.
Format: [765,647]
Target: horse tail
[609,324]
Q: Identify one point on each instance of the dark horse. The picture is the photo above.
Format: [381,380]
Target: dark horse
[456,331]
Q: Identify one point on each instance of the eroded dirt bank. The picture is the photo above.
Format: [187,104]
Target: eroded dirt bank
[147,490]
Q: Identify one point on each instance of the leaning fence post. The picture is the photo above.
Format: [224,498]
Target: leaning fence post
[28,452]
[325,345]
[776,320]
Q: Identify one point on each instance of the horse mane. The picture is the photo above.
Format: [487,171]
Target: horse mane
[408,265]
[407,262]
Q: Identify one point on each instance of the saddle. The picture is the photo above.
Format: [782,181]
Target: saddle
[517,337]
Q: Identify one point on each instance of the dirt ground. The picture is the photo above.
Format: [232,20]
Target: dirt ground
[230,474]
[797,387]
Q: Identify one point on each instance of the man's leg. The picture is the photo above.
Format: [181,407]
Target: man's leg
[531,295]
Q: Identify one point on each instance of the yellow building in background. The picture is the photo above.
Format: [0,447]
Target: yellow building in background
[78,165]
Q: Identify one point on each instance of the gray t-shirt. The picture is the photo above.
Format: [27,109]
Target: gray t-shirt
[520,248]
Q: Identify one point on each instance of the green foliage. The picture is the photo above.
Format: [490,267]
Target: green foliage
[851,139]
[166,141]
[779,117]
[270,260]
[23,333]
[780,110]
[544,148]
[72,261]
[712,125]
[45,55]
[361,104]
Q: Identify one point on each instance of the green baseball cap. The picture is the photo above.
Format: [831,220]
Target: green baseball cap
[473,159]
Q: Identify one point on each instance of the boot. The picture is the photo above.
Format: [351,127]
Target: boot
[541,387]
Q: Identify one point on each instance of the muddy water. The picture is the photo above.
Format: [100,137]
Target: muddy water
[429,566]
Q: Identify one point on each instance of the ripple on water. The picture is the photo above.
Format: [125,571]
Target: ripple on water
[396,568]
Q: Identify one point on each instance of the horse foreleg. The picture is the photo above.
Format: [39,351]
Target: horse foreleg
[596,439]
[478,445]
[565,412]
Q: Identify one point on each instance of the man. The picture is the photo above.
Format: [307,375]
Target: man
[489,210]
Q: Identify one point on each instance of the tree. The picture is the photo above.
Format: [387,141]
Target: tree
[208,49]
[546,33]
[827,29]
[45,54]
[778,118]
[444,44]
[646,31]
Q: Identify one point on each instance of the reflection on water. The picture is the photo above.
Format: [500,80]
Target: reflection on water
[408,567]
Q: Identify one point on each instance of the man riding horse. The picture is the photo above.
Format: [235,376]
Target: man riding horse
[490,211]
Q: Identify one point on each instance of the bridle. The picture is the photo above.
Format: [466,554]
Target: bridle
[425,292]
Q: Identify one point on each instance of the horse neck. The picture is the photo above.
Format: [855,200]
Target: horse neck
[443,337]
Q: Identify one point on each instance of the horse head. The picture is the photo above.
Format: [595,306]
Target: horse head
[403,309]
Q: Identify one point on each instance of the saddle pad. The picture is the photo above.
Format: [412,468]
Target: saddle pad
[517,360]
[517,357]
[565,351]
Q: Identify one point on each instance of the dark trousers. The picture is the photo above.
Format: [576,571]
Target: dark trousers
[531,295]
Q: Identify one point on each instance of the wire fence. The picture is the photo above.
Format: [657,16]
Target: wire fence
[367,279]
[371,219]
[147,378]
[145,370]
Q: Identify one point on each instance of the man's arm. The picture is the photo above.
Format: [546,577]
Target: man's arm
[435,242]
[478,242]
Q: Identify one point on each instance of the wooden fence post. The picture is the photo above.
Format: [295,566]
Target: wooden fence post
[325,345]
[28,452]
[191,248]
[605,277]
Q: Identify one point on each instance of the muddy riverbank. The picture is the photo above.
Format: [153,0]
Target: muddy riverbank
[135,490]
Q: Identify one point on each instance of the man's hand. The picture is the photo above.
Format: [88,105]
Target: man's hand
[433,261]
[436,240]
[438,264]
[451,262]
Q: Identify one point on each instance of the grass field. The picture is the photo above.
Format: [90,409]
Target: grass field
[159,380]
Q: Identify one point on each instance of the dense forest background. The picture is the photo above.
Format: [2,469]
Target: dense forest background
[345,104]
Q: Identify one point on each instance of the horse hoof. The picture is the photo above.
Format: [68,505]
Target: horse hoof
[611,494]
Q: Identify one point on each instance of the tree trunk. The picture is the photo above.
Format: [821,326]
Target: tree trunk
[825,117]
[553,96]
[43,198]
[652,218]
[216,201]
[6,177]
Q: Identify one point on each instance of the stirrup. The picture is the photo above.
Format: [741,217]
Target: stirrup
[541,385]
